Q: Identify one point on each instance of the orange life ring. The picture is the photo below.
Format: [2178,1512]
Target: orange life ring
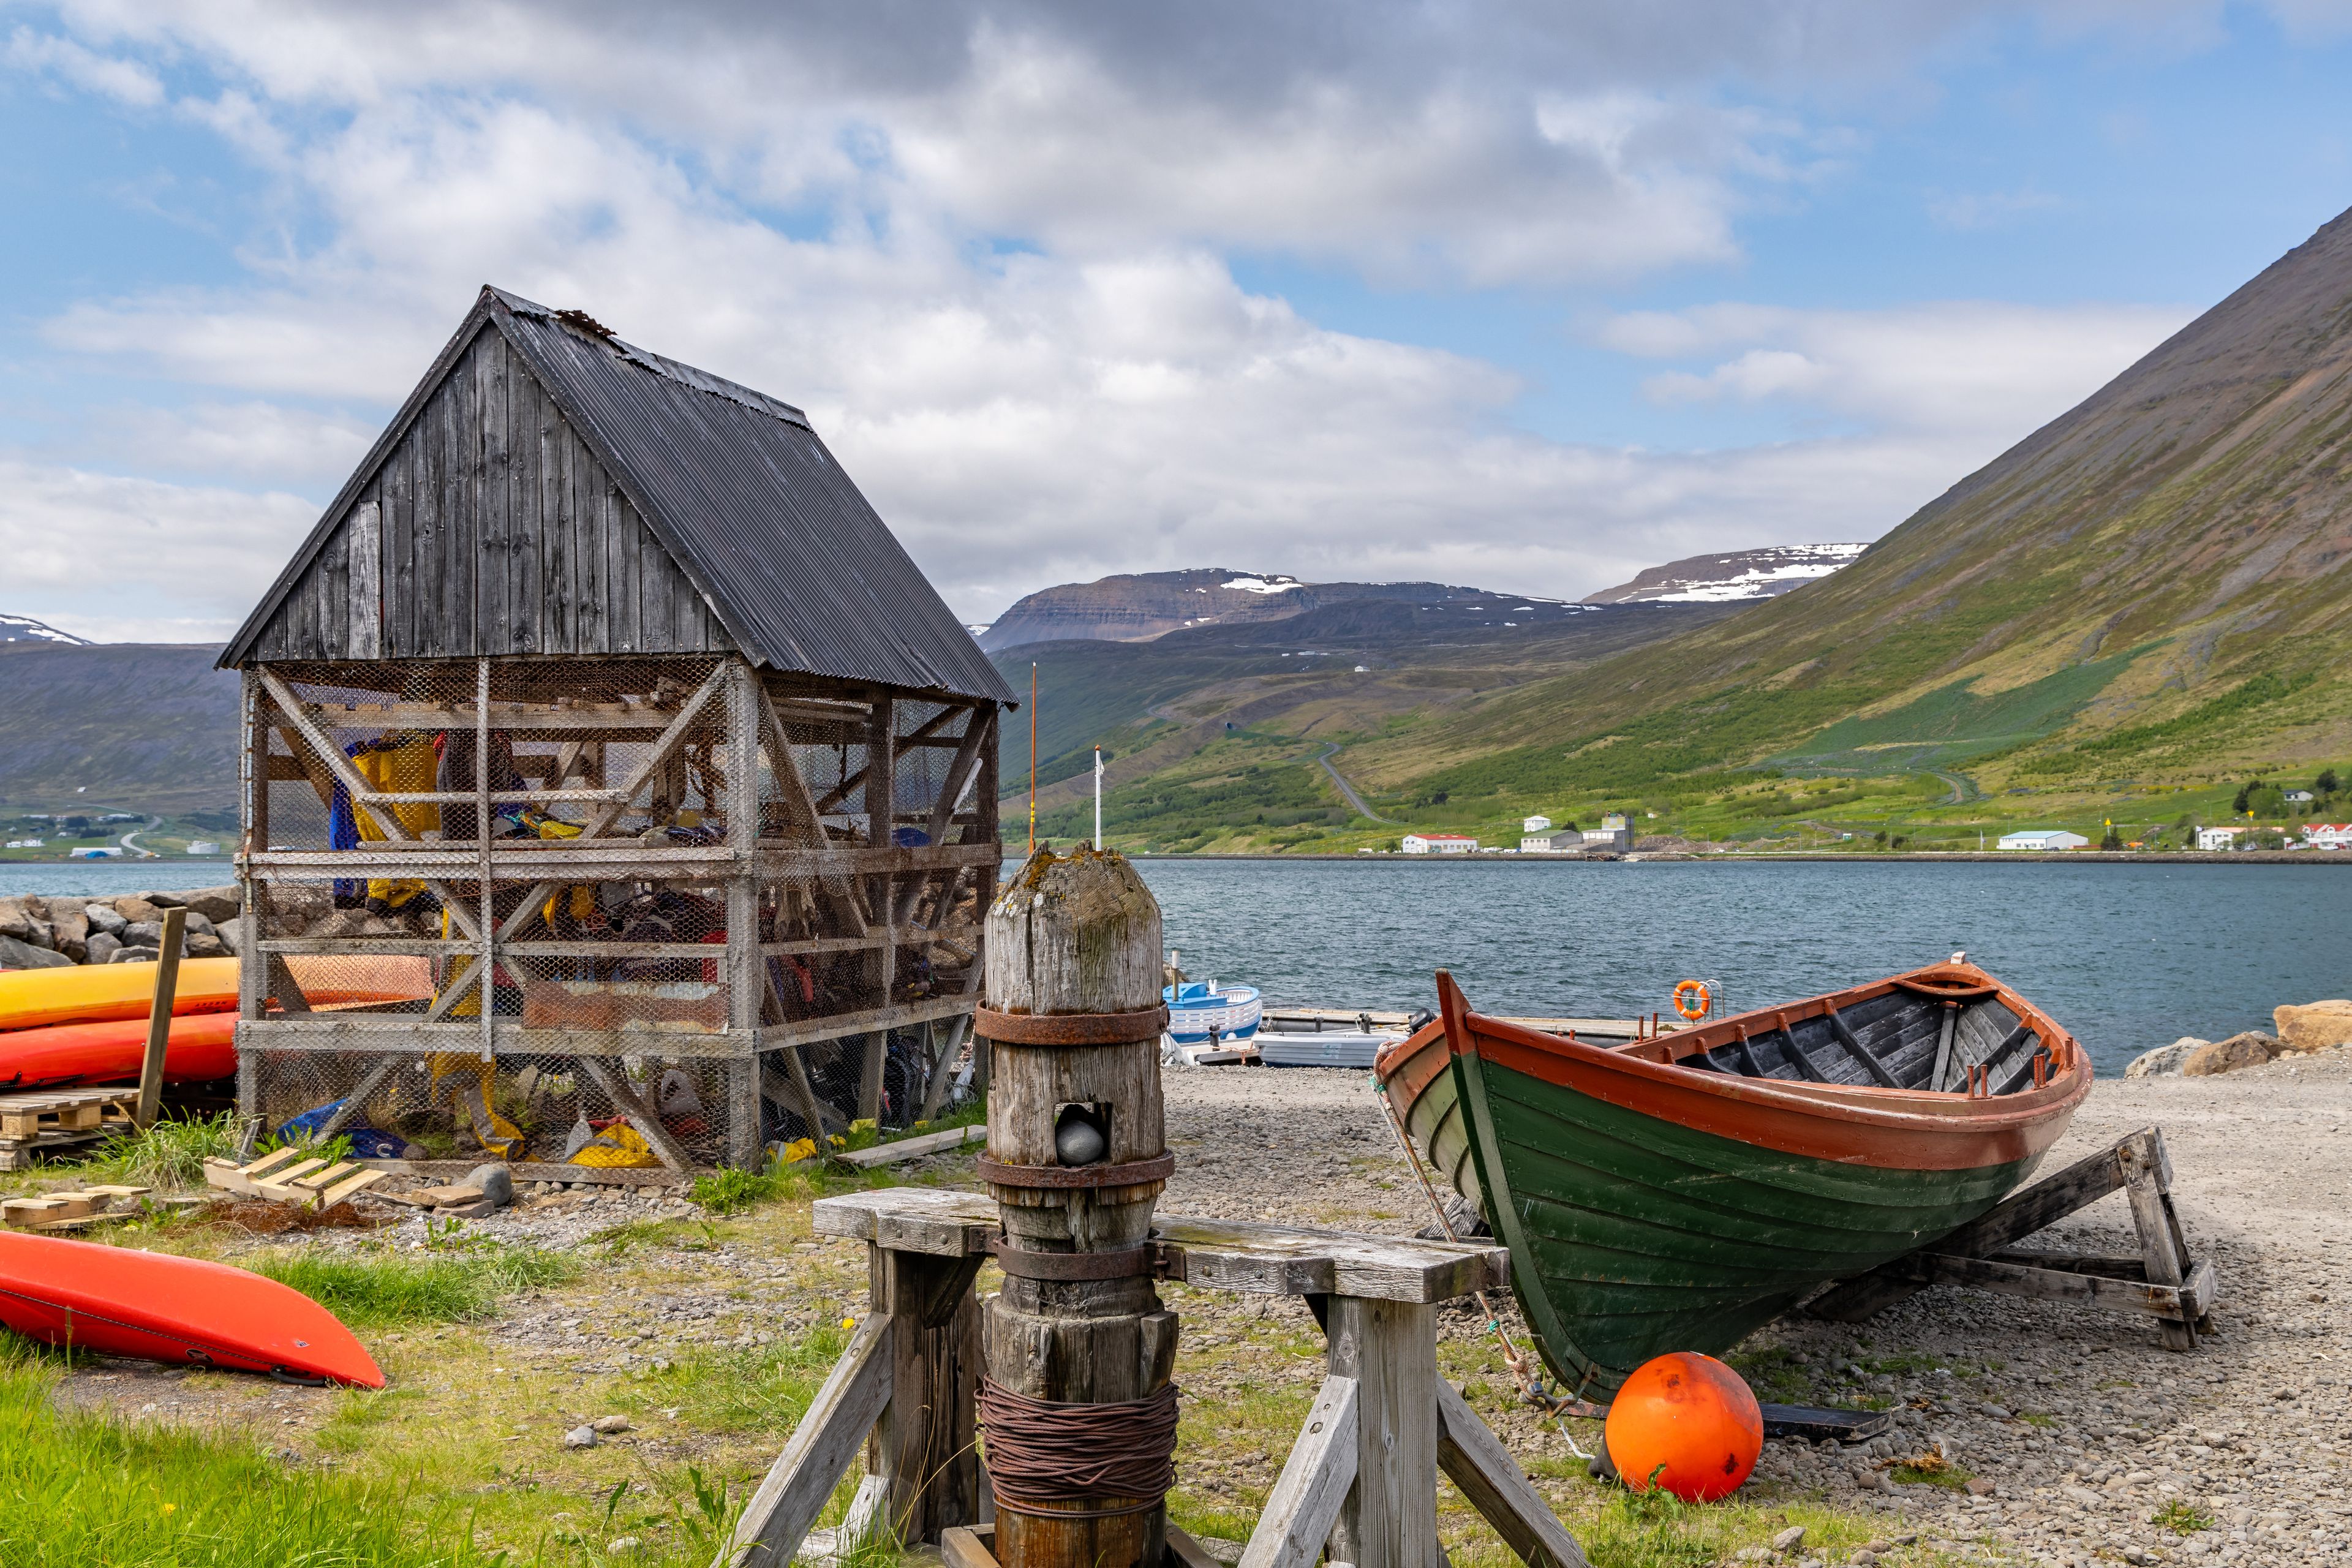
[1705,1001]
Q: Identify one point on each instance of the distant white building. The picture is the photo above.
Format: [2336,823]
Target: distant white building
[1564,841]
[202,846]
[2218,837]
[2328,836]
[96,852]
[2043,839]
[1536,824]
[1613,833]
[2300,797]
[1439,844]
[24,844]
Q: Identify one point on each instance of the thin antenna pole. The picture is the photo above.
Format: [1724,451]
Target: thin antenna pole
[1097,800]
[1033,759]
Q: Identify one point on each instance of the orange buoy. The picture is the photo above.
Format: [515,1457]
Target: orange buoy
[1687,1421]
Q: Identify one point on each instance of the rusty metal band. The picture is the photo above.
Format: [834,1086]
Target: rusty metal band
[1134,1174]
[1069,1028]
[1022,1263]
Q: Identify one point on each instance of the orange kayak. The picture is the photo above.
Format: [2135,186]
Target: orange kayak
[155,1307]
[202,1046]
[94,992]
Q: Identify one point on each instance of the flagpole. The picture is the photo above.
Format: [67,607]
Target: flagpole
[1097,800]
[1033,759]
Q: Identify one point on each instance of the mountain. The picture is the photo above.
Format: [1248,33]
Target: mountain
[2149,589]
[1735,574]
[135,726]
[1137,607]
[25,628]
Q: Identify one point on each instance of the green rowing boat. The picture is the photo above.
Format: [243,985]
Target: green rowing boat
[1676,1193]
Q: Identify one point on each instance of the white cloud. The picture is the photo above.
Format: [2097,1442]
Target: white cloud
[1972,370]
[125,81]
[87,548]
[814,202]
[1967,210]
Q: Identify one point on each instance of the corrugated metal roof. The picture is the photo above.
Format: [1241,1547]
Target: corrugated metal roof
[744,495]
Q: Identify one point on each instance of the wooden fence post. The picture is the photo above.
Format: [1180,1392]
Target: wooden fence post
[159,1019]
[1073,1017]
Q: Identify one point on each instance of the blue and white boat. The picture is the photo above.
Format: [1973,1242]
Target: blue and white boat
[1197,1011]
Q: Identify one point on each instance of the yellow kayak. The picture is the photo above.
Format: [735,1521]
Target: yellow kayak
[94,992]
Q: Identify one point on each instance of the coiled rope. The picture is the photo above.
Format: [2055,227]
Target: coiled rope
[1051,1450]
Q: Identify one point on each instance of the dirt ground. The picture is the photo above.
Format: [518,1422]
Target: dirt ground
[2078,1430]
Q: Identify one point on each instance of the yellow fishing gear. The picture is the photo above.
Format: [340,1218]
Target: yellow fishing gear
[619,1147]
[400,763]
[496,1134]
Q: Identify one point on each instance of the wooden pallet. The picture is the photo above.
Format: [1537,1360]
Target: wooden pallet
[54,1118]
[287,1177]
[66,1210]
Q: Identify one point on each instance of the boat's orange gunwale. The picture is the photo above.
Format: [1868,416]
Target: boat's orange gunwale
[1890,1129]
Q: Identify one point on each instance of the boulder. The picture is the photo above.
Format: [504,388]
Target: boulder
[105,918]
[2165,1061]
[16,919]
[202,944]
[72,931]
[218,905]
[137,955]
[2251,1049]
[166,900]
[497,1183]
[101,948]
[2314,1025]
[134,908]
[15,954]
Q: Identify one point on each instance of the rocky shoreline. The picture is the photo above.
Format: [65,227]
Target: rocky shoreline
[40,931]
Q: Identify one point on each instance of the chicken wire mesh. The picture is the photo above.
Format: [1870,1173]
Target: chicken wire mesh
[621,968]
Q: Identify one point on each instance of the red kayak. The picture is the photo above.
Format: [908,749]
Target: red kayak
[155,1307]
[202,1046]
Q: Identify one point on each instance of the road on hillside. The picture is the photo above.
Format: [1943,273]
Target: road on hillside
[1355,802]
[128,840]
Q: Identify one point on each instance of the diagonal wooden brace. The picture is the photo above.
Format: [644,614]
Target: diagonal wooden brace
[2164,1280]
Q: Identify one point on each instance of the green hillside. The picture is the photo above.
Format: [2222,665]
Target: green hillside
[2126,617]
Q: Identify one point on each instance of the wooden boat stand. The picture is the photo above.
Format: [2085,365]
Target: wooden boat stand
[2164,1280]
[1361,1477]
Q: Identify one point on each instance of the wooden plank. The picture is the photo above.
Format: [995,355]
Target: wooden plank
[776,1520]
[350,1187]
[2151,1209]
[922,1453]
[1474,1459]
[964,1547]
[364,638]
[914,1148]
[158,1018]
[1308,1495]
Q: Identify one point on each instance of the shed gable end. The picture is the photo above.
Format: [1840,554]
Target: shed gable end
[490,529]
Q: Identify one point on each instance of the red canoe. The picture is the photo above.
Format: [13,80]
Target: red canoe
[155,1307]
[202,1046]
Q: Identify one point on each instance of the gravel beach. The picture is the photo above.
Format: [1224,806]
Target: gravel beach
[2070,1436]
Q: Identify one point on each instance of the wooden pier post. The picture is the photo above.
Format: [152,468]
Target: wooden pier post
[1077,1159]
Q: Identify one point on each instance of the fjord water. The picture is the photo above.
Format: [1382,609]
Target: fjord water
[2127,957]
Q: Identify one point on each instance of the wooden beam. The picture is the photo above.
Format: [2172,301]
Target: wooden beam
[1308,1495]
[777,1518]
[1856,1048]
[1389,1520]
[354,1103]
[614,1079]
[159,1019]
[664,744]
[1474,1459]
[921,1451]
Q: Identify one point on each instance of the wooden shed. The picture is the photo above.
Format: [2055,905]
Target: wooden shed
[616,790]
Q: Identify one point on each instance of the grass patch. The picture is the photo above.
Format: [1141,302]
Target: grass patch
[380,1287]
[168,1154]
[762,1390]
[1776,1374]
[2181,1518]
[84,1488]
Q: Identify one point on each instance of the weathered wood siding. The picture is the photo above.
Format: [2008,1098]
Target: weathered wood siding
[490,528]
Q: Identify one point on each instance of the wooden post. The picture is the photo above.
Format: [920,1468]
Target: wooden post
[922,1448]
[746,980]
[881,812]
[1390,1350]
[158,1018]
[1073,955]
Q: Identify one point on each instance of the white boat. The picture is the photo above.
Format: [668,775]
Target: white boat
[1198,1013]
[1324,1048]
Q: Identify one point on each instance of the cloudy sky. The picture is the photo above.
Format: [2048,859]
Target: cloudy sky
[1522,295]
